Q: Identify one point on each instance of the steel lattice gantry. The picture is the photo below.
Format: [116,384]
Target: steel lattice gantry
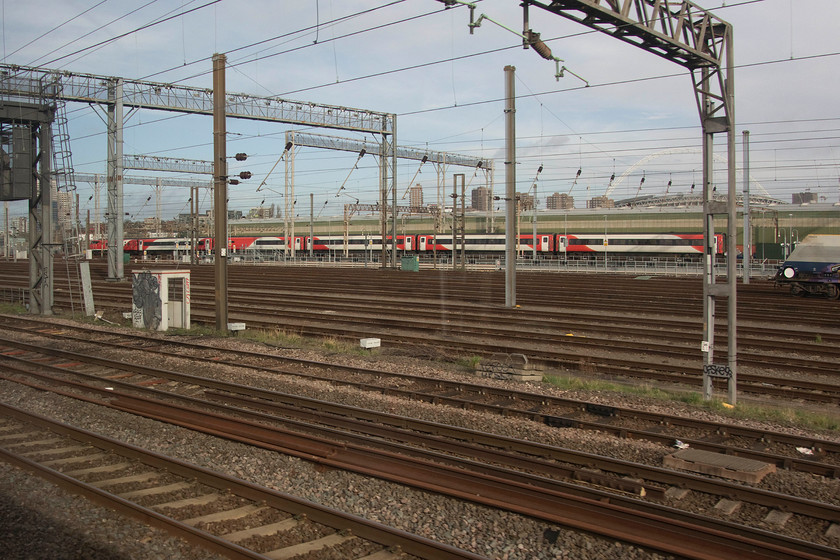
[693,37]
[352,145]
[27,175]
[115,93]
[89,88]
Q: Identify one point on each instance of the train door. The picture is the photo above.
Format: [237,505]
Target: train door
[298,244]
[562,241]
[545,244]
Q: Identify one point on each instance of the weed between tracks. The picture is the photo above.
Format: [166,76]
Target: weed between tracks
[469,363]
[12,308]
[287,339]
[787,415]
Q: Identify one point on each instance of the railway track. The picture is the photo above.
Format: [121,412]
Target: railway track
[661,428]
[228,516]
[789,355]
[217,420]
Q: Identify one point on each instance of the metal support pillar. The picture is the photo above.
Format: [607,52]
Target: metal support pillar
[711,291]
[747,244]
[41,225]
[732,229]
[383,201]
[220,191]
[6,230]
[510,187]
[534,223]
[289,193]
[115,180]
[195,234]
[709,286]
[311,224]
[393,180]
[458,222]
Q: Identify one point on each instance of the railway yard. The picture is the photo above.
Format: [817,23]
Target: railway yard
[298,444]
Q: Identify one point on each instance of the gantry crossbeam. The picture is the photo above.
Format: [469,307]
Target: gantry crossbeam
[23,83]
[685,33]
[149,181]
[374,148]
[175,165]
[28,82]
[677,30]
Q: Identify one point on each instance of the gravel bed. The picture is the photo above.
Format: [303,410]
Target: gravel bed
[80,530]
[43,521]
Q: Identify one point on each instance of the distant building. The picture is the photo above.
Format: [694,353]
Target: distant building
[559,201]
[806,197]
[151,224]
[526,201]
[64,210]
[415,196]
[600,202]
[260,213]
[481,199]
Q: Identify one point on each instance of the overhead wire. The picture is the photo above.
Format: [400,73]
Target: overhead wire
[34,62]
[601,85]
[121,35]
[56,28]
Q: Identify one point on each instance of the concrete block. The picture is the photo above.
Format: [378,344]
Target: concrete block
[778,518]
[728,507]
[675,493]
[718,464]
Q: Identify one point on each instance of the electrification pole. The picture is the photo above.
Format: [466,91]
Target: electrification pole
[115,214]
[220,248]
[747,252]
[697,39]
[510,187]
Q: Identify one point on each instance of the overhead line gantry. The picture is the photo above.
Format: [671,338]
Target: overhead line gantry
[116,93]
[683,32]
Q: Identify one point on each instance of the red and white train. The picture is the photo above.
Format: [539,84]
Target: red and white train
[547,244]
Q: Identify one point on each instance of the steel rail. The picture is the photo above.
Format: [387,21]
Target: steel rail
[788,388]
[346,418]
[480,324]
[632,524]
[779,386]
[529,400]
[387,536]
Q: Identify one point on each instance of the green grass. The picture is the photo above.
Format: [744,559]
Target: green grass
[194,330]
[289,339]
[275,337]
[469,363]
[785,415]
[12,308]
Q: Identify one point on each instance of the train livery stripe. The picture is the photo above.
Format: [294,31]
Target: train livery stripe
[546,244]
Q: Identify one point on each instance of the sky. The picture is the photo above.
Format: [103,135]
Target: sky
[637,117]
